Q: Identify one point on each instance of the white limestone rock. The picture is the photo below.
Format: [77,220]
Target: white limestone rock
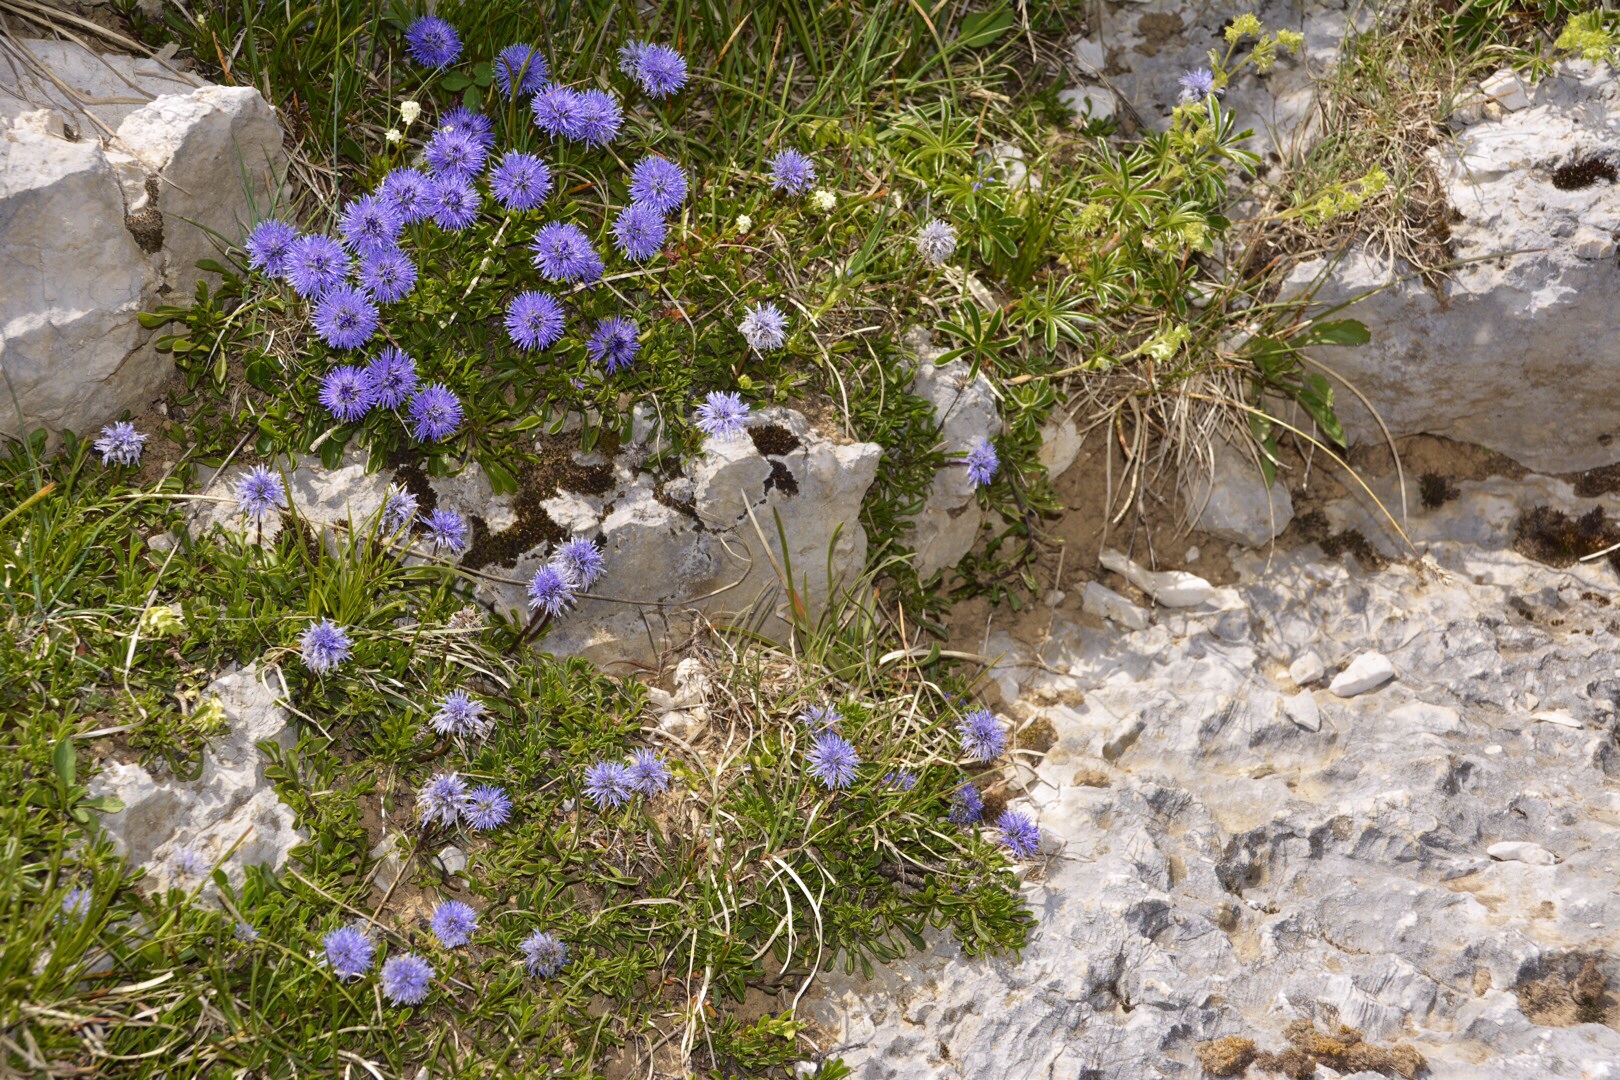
[1228,497]
[965,409]
[1172,588]
[1366,672]
[1302,709]
[1521,851]
[1099,599]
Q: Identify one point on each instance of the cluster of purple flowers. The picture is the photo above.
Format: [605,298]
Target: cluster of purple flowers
[350,953]
[983,738]
[612,784]
[324,645]
[120,444]
[573,566]
[461,714]
[446,800]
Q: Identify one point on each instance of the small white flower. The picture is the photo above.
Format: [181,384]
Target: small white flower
[744,223]
[935,242]
[394,135]
[822,201]
[409,111]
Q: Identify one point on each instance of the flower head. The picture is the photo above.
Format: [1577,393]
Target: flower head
[609,784]
[435,413]
[441,800]
[520,71]
[475,125]
[346,394]
[902,779]
[409,192]
[833,760]
[269,245]
[597,118]
[764,327]
[614,344]
[391,377]
[432,42]
[370,223]
[821,716]
[345,317]
[487,808]
[460,714]
[190,861]
[446,530]
[744,223]
[388,276]
[554,109]
[399,509]
[120,444]
[259,493]
[639,232]
[936,242]
[982,736]
[967,805]
[982,463]
[405,979]
[246,933]
[822,201]
[1018,833]
[792,172]
[543,954]
[649,773]
[454,154]
[581,560]
[455,204]
[409,110]
[315,264]
[324,645]
[75,905]
[723,415]
[1196,85]
[535,320]
[659,69]
[453,923]
[658,183]
[521,181]
[348,952]
[563,253]
[551,590]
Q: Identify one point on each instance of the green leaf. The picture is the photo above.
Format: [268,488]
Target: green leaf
[500,477]
[1338,332]
[483,74]
[1265,433]
[984,28]
[106,804]
[212,266]
[530,421]
[65,762]
[152,319]
[332,450]
[454,81]
[1317,398]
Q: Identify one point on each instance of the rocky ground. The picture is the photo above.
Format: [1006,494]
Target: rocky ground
[1380,798]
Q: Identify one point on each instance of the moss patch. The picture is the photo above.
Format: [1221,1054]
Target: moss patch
[1553,537]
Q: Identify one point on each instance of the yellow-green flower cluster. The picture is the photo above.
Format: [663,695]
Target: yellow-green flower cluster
[1586,35]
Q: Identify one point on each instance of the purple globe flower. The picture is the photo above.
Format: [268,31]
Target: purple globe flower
[346,393]
[520,70]
[399,510]
[609,784]
[435,413]
[659,69]
[387,276]
[345,317]
[477,126]
[936,242]
[555,108]
[902,779]
[833,760]
[315,264]
[460,714]
[246,933]
[269,245]
[1196,85]
[446,530]
[453,923]
[967,805]
[455,204]
[792,172]
[409,192]
[370,224]
[324,645]
[441,800]
[543,954]
[259,493]
[120,444]
[391,377]
[649,773]
[520,181]
[563,253]
[821,716]
[432,42]
[614,344]
[982,736]
[454,154]
[1019,833]
[189,861]
[658,183]
[764,327]
[982,463]
[551,590]
[348,952]
[596,119]
[406,978]
[723,415]
[75,905]
[535,320]
[581,560]
[487,808]
[639,232]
